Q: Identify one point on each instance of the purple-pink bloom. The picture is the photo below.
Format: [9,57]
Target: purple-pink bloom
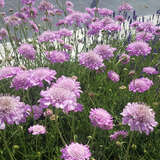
[112,27]
[101,118]
[105,51]
[2,3]
[9,72]
[27,51]
[76,151]
[69,4]
[12,111]
[37,129]
[105,12]
[57,56]
[138,48]
[3,33]
[63,32]
[113,76]
[140,85]
[45,5]
[118,134]
[12,20]
[144,36]
[28,2]
[139,117]
[150,70]
[34,26]
[125,7]
[124,58]
[91,60]
[119,18]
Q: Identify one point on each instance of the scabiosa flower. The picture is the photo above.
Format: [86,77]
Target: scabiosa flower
[91,60]
[9,72]
[45,6]
[69,84]
[150,70]
[2,3]
[37,129]
[31,12]
[11,110]
[101,118]
[105,11]
[28,2]
[124,58]
[27,51]
[138,48]
[64,32]
[76,151]
[42,74]
[117,134]
[140,85]
[144,36]
[113,76]
[57,56]
[69,4]
[12,20]
[34,26]
[3,33]
[59,98]
[119,18]
[139,117]
[48,36]
[112,27]
[105,51]
[125,7]
[37,112]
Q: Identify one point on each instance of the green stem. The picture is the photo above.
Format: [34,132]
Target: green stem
[72,128]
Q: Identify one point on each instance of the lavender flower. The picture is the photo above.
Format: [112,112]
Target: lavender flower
[140,85]
[150,70]
[9,72]
[105,51]
[139,117]
[27,51]
[37,129]
[91,60]
[57,56]
[117,134]
[101,118]
[11,110]
[76,151]
[138,48]
[113,76]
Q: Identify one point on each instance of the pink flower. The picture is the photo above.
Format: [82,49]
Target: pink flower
[113,76]
[117,134]
[37,129]
[150,70]
[124,58]
[125,7]
[139,117]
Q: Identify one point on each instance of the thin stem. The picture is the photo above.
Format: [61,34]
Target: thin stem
[72,128]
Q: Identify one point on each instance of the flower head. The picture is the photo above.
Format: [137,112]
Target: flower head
[37,129]
[124,58]
[113,76]
[76,151]
[27,51]
[11,110]
[2,3]
[117,134]
[139,117]
[138,48]
[28,2]
[3,33]
[140,85]
[91,60]
[101,118]
[144,36]
[150,70]
[125,7]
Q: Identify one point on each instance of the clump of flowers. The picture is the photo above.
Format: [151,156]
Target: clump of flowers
[150,70]
[12,111]
[113,76]
[105,51]
[139,117]
[101,118]
[140,85]
[144,36]
[27,50]
[76,151]
[37,129]
[57,56]
[138,48]
[9,72]
[91,60]
[118,134]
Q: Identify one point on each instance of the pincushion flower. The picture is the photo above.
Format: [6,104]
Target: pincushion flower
[144,36]
[28,2]
[69,84]
[101,118]
[2,3]
[9,72]
[27,51]
[105,51]
[140,85]
[124,58]
[113,76]
[118,134]
[3,33]
[69,4]
[91,60]
[125,7]
[105,12]
[57,56]
[76,151]
[139,117]
[12,20]
[138,48]
[59,98]
[45,5]
[37,129]
[150,70]
[12,111]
